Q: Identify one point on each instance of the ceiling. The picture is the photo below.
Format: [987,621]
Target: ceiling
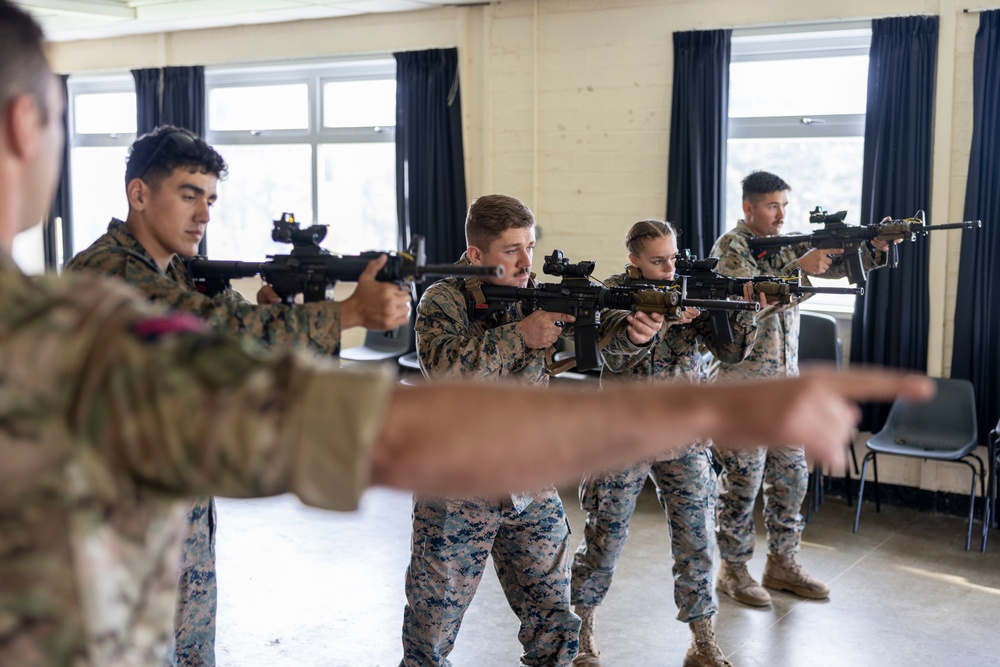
[65,20]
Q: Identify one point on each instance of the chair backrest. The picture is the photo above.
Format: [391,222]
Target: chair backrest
[819,339]
[949,417]
[399,340]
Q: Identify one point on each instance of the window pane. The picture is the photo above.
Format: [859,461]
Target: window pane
[264,182]
[822,172]
[104,113]
[359,103]
[357,196]
[789,87]
[278,107]
[29,251]
[98,192]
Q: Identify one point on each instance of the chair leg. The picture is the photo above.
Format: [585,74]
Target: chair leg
[848,482]
[861,489]
[854,458]
[972,507]
[878,505]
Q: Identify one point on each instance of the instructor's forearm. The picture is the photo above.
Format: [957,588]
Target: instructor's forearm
[439,439]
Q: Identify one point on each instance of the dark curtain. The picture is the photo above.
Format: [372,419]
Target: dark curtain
[183,102]
[698,133]
[147,99]
[976,348]
[891,318]
[61,211]
[430,163]
[170,96]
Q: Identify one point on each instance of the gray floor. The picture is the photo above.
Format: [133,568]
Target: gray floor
[303,587]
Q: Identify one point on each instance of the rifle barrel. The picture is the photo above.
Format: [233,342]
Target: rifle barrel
[968,224]
[804,289]
[710,304]
[226,268]
[460,270]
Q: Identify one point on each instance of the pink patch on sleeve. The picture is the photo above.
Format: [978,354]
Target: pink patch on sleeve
[175,323]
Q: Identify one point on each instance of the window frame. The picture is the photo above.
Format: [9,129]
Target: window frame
[375,66]
[849,38]
[798,42]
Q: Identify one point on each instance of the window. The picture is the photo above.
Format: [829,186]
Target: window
[315,140]
[797,100]
[102,122]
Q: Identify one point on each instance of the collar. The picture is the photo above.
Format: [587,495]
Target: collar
[124,238]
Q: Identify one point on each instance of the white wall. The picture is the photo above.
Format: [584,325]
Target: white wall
[567,106]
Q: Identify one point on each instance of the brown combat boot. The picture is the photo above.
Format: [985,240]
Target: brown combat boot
[736,582]
[588,655]
[704,651]
[782,573]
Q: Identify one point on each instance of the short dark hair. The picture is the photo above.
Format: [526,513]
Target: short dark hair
[640,232]
[23,65]
[762,183]
[491,215]
[154,156]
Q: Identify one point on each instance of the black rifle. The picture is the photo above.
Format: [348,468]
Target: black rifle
[837,234]
[579,296]
[702,282]
[312,271]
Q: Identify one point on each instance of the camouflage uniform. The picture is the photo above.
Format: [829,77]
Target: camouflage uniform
[685,482]
[782,470]
[527,533]
[117,253]
[114,414]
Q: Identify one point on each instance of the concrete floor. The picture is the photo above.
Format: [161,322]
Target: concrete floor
[301,587]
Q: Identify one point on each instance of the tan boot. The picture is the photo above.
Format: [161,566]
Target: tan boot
[736,582]
[782,573]
[588,655]
[704,651]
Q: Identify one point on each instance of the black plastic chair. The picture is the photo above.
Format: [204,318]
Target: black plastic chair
[381,346]
[943,429]
[990,518]
[819,340]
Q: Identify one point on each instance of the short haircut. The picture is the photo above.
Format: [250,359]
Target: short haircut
[642,231]
[24,68]
[154,156]
[491,215]
[761,183]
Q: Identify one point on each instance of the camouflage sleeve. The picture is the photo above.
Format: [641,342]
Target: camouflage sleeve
[313,324]
[619,344]
[735,258]
[744,328]
[198,414]
[449,345]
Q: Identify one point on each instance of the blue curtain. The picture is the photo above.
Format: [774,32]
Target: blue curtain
[976,348]
[698,133]
[430,162]
[891,319]
[170,96]
[61,208]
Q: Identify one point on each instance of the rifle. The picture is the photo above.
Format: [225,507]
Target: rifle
[703,282]
[312,271]
[837,234]
[577,295]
